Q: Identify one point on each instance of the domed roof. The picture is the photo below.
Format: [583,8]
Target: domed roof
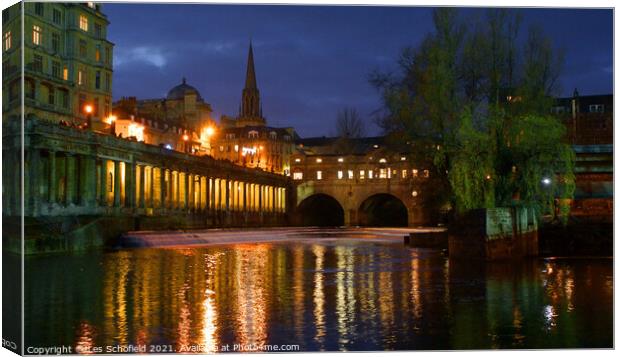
[182,90]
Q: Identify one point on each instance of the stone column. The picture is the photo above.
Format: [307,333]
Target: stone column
[130,185]
[141,170]
[52,183]
[152,188]
[162,187]
[186,183]
[34,180]
[88,181]
[69,178]
[117,183]
[103,180]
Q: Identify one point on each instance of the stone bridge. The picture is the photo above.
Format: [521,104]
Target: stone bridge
[82,188]
[366,190]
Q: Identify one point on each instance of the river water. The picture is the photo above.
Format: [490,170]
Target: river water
[319,294]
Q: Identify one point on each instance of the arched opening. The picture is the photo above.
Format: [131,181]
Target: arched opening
[320,210]
[383,210]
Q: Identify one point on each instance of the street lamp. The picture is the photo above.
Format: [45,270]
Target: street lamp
[89,110]
[112,119]
[186,138]
[546,181]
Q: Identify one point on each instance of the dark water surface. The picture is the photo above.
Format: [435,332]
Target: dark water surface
[321,294]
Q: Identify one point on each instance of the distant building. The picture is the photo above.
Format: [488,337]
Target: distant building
[181,121]
[589,119]
[247,140]
[67,62]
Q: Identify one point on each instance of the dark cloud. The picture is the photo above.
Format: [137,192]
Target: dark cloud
[310,60]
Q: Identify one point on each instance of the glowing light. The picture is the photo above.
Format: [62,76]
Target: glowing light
[340,159]
[488,177]
[88,108]
[185,137]
[245,151]
[382,161]
[110,119]
[168,146]
[298,160]
[403,158]
[209,131]
[414,193]
[136,130]
[319,160]
[546,181]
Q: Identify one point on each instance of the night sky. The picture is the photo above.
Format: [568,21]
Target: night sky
[311,61]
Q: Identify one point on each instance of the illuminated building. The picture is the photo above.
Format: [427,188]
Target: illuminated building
[247,140]
[181,121]
[67,62]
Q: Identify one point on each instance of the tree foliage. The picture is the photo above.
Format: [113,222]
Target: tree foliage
[478,98]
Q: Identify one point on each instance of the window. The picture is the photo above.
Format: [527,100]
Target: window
[107,55]
[7,40]
[236,148]
[340,159]
[106,108]
[37,65]
[350,174]
[55,42]
[36,35]
[362,172]
[56,16]
[597,108]
[273,135]
[82,48]
[98,53]
[65,73]
[370,174]
[56,69]
[97,79]
[382,173]
[81,101]
[297,160]
[64,98]
[83,23]
[319,175]
[38,8]
[404,174]
[50,95]
[80,77]
[414,173]
[319,160]
[339,175]
[426,173]
[107,82]
[253,134]
[96,107]
[98,30]
[30,89]
[298,175]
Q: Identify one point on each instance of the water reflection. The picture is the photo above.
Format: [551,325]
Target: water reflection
[320,294]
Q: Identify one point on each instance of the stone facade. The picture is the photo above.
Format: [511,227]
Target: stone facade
[74,173]
[68,62]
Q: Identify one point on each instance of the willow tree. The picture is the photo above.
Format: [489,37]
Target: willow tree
[479,104]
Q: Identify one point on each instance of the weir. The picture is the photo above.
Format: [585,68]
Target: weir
[82,189]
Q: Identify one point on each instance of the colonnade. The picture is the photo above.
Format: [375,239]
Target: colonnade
[63,179]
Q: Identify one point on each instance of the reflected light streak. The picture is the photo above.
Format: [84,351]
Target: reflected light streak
[319,295]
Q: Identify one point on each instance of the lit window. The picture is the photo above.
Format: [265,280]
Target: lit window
[7,40]
[426,173]
[402,158]
[370,174]
[298,160]
[319,160]
[382,173]
[36,35]
[350,174]
[98,53]
[83,23]
[383,161]
[298,175]
[65,73]
[362,174]
[340,159]
[236,148]
[80,77]
[414,172]
[319,175]
[339,175]
[389,172]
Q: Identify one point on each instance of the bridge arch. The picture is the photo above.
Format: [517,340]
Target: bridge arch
[383,210]
[320,210]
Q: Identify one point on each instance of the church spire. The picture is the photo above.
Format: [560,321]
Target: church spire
[250,102]
[250,76]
